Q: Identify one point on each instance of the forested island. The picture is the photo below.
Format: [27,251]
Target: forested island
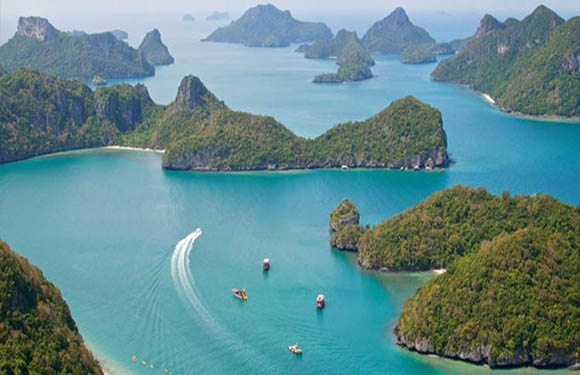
[199,132]
[38,45]
[352,57]
[510,290]
[394,33]
[268,26]
[530,66]
[218,16]
[427,53]
[37,332]
[153,49]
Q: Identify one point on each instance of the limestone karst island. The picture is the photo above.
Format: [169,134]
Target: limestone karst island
[295,187]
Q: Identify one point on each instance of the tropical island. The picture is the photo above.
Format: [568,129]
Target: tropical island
[394,33]
[188,18]
[427,53]
[507,296]
[529,67]
[38,45]
[218,16]
[452,223]
[268,26]
[199,132]
[154,51]
[352,57]
[39,335]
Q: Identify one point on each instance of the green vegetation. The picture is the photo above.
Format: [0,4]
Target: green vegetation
[344,214]
[513,301]
[419,54]
[344,47]
[347,237]
[346,73]
[41,114]
[38,336]
[38,45]
[530,66]
[394,33]
[453,223]
[153,49]
[268,26]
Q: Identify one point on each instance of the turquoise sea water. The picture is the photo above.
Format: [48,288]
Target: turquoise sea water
[104,224]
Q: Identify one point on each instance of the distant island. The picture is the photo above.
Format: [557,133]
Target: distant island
[529,67]
[268,26]
[395,33]
[188,18]
[218,16]
[38,45]
[352,57]
[154,51]
[38,332]
[506,297]
[427,53]
[199,132]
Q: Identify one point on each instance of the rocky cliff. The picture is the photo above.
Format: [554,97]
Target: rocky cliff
[154,51]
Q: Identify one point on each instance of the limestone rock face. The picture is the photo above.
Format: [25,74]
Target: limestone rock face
[37,28]
[190,93]
[123,112]
[487,25]
[345,214]
[154,51]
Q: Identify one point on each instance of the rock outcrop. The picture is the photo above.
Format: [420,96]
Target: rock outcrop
[36,28]
[345,213]
[154,51]
[122,106]
[487,25]
[190,94]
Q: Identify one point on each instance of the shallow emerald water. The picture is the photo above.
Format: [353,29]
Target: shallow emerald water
[104,224]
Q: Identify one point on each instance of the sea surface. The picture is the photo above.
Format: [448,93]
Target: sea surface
[114,231]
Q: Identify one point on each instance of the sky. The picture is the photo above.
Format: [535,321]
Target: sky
[10,8]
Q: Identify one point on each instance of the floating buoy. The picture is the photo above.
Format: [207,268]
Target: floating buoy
[266,264]
[134,358]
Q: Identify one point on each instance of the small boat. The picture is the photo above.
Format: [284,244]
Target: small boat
[144,363]
[344,167]
[320,302]
[152,365]
[134,358]
[240,293]
[295,349]
[266,264]
[166,371]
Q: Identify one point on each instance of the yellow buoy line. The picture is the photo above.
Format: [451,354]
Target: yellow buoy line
[144,363]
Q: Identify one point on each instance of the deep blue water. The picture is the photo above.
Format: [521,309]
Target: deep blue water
[103,224]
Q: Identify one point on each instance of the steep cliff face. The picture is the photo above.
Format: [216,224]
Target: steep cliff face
[39,46]
[190,94]
[487,25]
[38,334]
[36,28]
[122,105]
[154,51]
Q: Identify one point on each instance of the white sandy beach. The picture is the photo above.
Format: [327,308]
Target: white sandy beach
[488,98]
[132,148]
[439,271]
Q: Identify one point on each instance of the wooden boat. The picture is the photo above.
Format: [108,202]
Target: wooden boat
[295,349]
[320,302]
[240,293]
[266,264]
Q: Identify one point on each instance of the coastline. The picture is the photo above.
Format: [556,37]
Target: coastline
[130,148]
[547,118]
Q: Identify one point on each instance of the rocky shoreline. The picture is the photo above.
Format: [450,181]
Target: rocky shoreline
[481,355]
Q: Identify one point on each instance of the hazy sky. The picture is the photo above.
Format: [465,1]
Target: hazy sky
[55,7]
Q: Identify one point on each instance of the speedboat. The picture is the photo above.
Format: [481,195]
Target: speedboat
[295,349]
[320,302]
[240,293]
